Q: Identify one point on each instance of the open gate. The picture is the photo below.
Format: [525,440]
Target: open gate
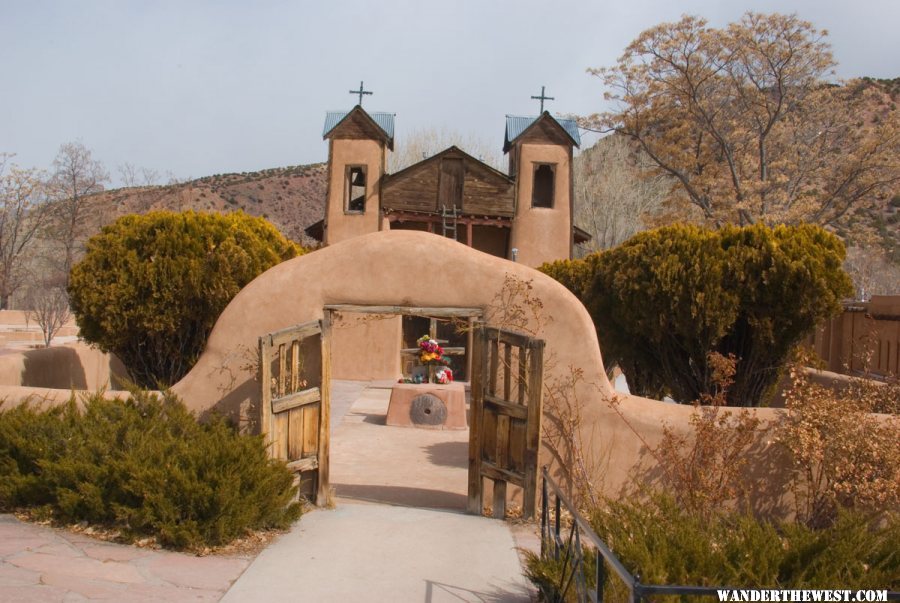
[295,377]
[505,423]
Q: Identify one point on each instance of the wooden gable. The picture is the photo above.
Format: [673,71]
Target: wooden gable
[544,130]
[358,125]
[450,178]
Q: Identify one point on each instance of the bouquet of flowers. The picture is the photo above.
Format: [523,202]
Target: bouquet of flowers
[430,353]
[443,375]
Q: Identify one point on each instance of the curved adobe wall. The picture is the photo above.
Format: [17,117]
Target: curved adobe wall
[409,268]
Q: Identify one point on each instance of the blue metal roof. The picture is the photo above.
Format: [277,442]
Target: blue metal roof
[385,121]
[515,125]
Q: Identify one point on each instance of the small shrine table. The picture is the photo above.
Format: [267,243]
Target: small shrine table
[428,406]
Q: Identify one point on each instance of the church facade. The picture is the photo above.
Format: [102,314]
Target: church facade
[525,215]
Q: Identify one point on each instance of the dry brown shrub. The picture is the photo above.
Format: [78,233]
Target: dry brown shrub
[703,469]
[844,455]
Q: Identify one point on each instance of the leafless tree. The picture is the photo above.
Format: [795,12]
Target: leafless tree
[49,308]
[872,272]
[77,175]
[615,192]
[133,175]
[23,212]
[421,144]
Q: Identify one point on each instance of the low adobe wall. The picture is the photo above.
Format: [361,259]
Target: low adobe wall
[407,268]
[52,374]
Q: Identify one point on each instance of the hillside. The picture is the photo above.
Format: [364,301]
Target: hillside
[874,101]
[291,198]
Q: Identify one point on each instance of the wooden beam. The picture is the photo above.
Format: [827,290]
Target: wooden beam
[308,464]
[265,398]
[492,471]
[289,334]
[506,408]
[474,504]
[533,426]
[508,337]
[323,483]
[448,312]
[433,219]
[296,400]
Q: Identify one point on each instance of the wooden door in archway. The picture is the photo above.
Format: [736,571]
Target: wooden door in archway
[505,423]
[294,418]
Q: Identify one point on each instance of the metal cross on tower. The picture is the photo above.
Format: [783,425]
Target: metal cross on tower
[542,98]
[360,92]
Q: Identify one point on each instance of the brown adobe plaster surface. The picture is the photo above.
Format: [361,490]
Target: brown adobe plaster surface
[409,268]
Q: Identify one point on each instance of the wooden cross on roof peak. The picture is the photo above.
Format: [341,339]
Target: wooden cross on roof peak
[360,92]
[542,98]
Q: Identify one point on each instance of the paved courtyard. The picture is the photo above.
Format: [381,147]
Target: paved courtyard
[398,533]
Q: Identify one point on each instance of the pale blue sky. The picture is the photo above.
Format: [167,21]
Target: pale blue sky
[197,88]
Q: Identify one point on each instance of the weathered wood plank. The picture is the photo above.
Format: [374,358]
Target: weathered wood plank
[305,464]
[301,398]
[295,366]
[491,471]
[522,376]
[494,367]
[265,401]
[324,483]
[289,334]
[488,434]
[499,500]
[507,371]
[501,454]
[280,435]
[310,435]
[504,407]
[282,369]
[295,434]
[533,430]
[476,484]
[443,312]
[517,434]
[508,337]
[455,351]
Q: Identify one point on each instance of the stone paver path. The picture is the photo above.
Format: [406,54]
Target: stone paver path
[46,565]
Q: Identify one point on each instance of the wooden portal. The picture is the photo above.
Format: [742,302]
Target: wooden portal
[505,424]
[295,377]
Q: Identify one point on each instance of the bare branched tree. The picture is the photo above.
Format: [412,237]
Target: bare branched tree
[616,192]
[421,144]
[49,308]
[23,212]
[745,121]
[77,175]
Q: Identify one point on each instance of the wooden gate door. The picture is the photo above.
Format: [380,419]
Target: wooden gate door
[505,428]
[295,376]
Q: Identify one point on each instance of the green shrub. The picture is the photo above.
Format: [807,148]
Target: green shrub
[666,299]
[664,544]
[151,287]
[143,466]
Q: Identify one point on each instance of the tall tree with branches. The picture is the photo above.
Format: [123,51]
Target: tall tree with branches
[77,175]
[23,212]
[746,124]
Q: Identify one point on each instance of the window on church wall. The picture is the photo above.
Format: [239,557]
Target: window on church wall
[355,187]
[543,185]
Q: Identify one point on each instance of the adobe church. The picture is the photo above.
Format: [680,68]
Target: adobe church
[525,216]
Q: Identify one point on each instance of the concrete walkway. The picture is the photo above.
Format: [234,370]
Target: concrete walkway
[363,552]
[398,534]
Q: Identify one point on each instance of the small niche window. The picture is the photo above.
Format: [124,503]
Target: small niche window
[356,190]
[542,191]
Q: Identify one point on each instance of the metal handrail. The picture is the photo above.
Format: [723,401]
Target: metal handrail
[581,528]
[636,590]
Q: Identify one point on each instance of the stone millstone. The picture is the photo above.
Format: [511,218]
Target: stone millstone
[427,409]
